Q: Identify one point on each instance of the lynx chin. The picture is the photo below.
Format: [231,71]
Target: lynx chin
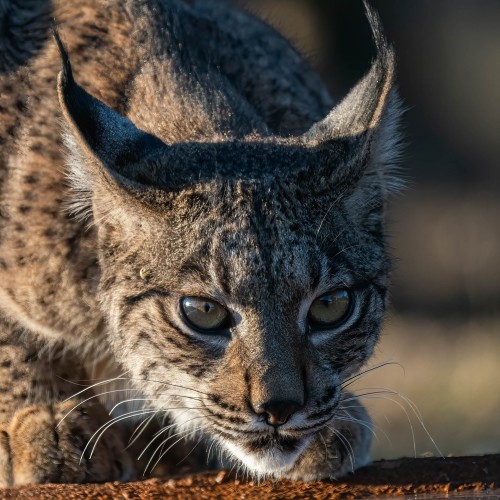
[192,259]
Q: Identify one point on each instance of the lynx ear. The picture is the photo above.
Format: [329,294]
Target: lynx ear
[358,126]
[109,139]
[111,163]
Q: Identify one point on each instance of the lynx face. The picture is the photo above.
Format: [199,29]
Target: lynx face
[244,278]
[229,315]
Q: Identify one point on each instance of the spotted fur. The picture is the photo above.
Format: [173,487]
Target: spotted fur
[186,150]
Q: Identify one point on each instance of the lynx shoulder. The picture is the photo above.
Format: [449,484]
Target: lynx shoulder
[182,205]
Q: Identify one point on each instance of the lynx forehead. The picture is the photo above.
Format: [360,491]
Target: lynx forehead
[183,205]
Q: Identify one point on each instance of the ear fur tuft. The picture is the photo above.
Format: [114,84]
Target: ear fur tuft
[376,26]
[66,71]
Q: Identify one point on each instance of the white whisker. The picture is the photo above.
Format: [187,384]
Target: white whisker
[349,381]
[137,433]
[375,396]
[159,433]
[192,449]
[107,425]
[86,400]
[408,401]
[184,435]
[346,443]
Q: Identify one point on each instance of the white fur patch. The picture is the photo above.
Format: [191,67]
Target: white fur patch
[270,462]
[79,179]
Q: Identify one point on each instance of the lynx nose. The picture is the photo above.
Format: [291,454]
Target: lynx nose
[278,412]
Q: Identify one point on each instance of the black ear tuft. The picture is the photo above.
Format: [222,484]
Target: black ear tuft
[66,72]
[376,26]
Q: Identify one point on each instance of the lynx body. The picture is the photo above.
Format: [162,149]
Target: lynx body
[187,155]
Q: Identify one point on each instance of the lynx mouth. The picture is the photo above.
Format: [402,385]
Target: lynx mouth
[277,442]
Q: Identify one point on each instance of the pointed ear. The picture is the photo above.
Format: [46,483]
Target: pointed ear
[106,138]
[364,122]
[111,163]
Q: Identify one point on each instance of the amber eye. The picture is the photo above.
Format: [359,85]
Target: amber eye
[204,314]
[330,309]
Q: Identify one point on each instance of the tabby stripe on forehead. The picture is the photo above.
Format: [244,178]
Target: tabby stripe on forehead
[223,273]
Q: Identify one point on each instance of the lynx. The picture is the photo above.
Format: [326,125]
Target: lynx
[191,242]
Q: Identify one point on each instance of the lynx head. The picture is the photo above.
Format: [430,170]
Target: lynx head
[243,279]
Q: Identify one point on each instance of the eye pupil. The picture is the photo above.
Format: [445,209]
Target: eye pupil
[202,314]
[330,309]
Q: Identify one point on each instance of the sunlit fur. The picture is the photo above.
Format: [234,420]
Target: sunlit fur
[202,157]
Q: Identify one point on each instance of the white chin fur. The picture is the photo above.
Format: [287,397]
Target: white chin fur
[270,462]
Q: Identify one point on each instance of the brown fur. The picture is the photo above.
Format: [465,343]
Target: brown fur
[216,184]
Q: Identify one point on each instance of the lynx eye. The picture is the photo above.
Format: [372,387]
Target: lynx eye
[330,309]
[204,314]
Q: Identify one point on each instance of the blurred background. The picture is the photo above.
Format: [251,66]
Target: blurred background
[444,323]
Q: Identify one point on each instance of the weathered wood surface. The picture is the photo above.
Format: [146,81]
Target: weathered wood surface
[385,478]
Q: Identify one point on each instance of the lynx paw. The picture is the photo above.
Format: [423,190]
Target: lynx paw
[35,449]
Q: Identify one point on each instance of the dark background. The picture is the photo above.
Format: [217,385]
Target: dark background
[444,326]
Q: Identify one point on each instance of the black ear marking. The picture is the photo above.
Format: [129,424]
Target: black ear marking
[100,131]
[378,35]
[113,147]
[77,105]
[66,72]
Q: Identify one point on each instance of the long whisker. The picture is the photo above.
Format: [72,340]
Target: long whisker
[122,402]
[156,435]
[192,449]
[118,419]
[159,433]
[84,381]
[413,408]
[183,432]
[354,397]
[344,409]
[109,424]
[420,419]
[349,381]
[417,413]
[375,396]
[86,400]
[139,430]
[346,443]
[97,384]
[125,401]
[122,377]
[186,434]
[168,384]
[349,418]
